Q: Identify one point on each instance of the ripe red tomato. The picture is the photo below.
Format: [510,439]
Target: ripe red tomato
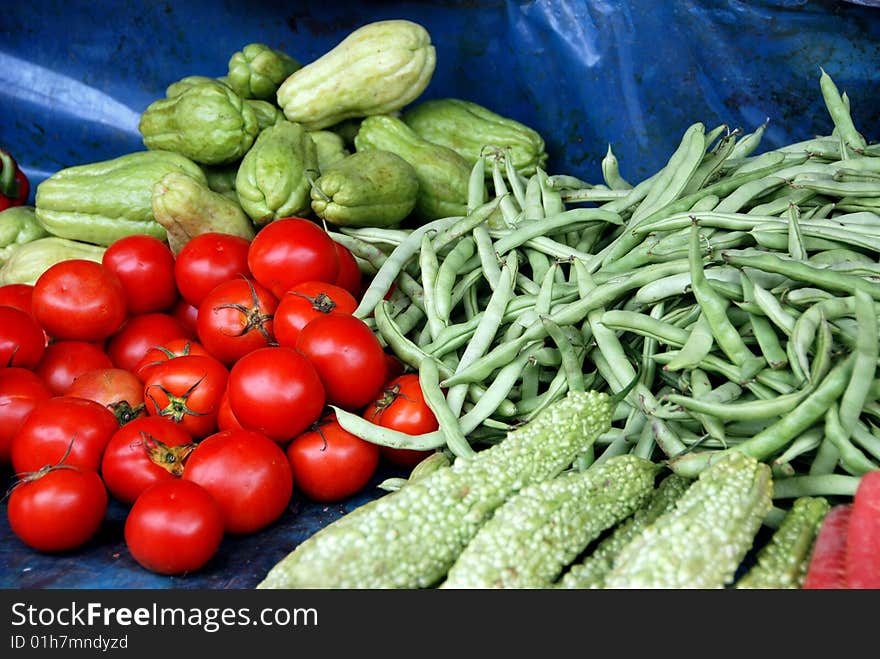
[225,418]
[145,451]
[209,259]
[57,510]
[168,350]
[329,463]
[401,406]
[19,296]
[79,300]
[305,302]
[140,333]
[247,473]
[347,356]
[22,341]
[20,392]
[145,266]
[235,318]
[187,390]
[174,527]
[349,277]
[63,361]
[292,250]
[277,391]
[187,314]
[118,390]
[73,429]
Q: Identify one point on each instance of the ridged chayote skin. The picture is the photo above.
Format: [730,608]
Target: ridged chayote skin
[366,189]
[377,69]
[267,113]
[331,147]
[273,179]
[18,225]
[27,262]
[256,71]
[206,122]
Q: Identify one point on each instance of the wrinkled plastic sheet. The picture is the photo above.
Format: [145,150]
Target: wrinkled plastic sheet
[75,76]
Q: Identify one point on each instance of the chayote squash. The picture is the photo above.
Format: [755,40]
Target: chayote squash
[273,179]
[372,188]
[267,114]
[221,178]
[25,263]
[18,225]
[443,175]
[256,71]
[203,119]
[468,127]
[377,69]
[177,87]
[186,207]
[102,201]
[330,147]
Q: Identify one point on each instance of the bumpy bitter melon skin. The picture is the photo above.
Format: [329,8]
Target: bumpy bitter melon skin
[543,527]
[103,201]
[377,69]
[443,174]
[703,540]
[410,538]
[468,128]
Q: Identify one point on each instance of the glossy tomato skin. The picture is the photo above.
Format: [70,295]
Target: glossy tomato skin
[118,390]
[22,341]
[349,277]
[347,356]
[187,390]
[140,333]
[63,361]
[19,296]
[329,463]
[276,391]
[225,418]
[305,302]
[187,314]
[401,406]
[143,452]
[247,473]
[292,250]
[168,350]
[174,527]
[59,510]
[235,318]
[209,259]
[20,392]
[60,424]
[145,266]
[79,300]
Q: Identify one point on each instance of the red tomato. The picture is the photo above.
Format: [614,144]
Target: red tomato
[64,360]
[20,392]
[236,318]
[347,356]
[79,300]
[145,451]
[174,527]
[187,314]
[19,296]
[306,301]
[118,390]
[393,367]
[145,266]
[225,418]
[73,429]
[209,259]
[277,391]
[168,350]
[329,463]
[140,333]
[187,390]
[349,277]
[22,341]
[247,473]
[58,509]
[292,250]
[401,406]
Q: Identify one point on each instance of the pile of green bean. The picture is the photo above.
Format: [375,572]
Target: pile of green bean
[739,291]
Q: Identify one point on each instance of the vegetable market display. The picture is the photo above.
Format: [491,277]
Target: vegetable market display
[666,383]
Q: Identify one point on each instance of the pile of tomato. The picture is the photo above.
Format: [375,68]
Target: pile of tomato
[196,389]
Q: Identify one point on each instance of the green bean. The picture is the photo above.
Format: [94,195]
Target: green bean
[795,239]
[611,172]
[571,365]
[392,237]
[840,114]
[429,266]
[477,185]
[868,441]
[461,228]
[407,351]
[648,369]
[497,392]
[749,142]
[529,408]
[704,204]
[567,182]
[700,388]
[782,200]
[805,327]
[447,273]
[826,485]
[407,319]
[550,197]
[507,239]
[695,348]
[487,254]
[868,352]
[507,204]
[679,284]
[851,457]
[376,434]
[804,444]
[463,285]
[823,354]
[533,206]
[513,177]
[429,382]
[712,161]
[771,348]
[747,411]
[826,458]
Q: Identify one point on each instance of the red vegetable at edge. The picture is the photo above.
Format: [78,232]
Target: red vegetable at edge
[14,185]
[827,569]
[863,535]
